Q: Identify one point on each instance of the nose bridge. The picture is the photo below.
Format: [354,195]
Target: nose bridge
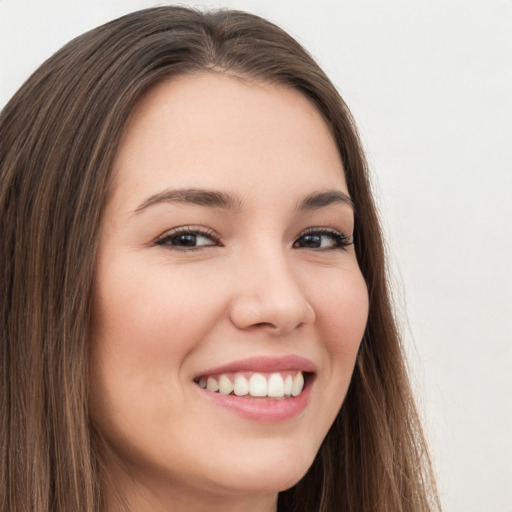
[268,291]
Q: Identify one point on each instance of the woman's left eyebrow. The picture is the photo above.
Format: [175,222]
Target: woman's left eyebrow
[195,196]
[321,199]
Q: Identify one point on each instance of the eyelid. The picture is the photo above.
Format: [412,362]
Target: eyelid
[188,229]
[327,230]
[346,240]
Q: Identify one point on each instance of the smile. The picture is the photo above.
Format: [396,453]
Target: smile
[278,385]
[264,389]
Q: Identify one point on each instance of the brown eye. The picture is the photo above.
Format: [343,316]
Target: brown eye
[309,241]
[186,238]
[322,239]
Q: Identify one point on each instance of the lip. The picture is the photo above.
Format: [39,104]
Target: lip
[263,364]
[262,410]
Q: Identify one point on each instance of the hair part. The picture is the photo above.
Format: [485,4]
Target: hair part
[59,136]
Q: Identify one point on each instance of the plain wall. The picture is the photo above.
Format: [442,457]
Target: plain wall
[430,84]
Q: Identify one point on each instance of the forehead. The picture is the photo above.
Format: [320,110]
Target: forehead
[215,130]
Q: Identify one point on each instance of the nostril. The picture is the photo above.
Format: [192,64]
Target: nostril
[264,324]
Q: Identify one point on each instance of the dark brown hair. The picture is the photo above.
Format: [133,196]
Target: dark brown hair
[58,138]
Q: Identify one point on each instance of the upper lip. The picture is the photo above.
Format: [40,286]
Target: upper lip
[263,364]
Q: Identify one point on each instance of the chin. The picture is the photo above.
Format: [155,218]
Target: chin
[257,473]
[264,481]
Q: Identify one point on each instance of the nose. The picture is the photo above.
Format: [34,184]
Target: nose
[269,295]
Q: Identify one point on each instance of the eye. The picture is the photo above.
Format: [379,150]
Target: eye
[188,238]
[322,239]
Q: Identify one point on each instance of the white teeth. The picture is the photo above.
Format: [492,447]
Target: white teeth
[225,385]
[212,384]
[258,385]
[276,385]
[241,386]
[288,385]
[298,384]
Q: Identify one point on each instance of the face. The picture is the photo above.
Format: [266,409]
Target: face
[225,277]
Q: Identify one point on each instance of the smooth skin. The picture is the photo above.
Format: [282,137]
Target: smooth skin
[183,287]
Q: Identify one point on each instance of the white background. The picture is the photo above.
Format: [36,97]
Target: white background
[430,84]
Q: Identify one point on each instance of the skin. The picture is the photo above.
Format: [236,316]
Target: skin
[163,312]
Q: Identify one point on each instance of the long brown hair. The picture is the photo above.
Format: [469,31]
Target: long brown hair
[58,137]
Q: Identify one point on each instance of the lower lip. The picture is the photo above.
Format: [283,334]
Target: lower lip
[259,409]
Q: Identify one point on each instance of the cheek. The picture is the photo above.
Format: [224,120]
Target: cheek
[145,324]
[342,313]
[153,314]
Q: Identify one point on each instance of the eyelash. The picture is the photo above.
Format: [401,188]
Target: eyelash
[340,240]
[168,237]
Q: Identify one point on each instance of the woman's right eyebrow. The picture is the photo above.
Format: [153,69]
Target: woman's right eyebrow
[194,196]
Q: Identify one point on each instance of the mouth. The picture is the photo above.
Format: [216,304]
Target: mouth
[275,385]
[263,389]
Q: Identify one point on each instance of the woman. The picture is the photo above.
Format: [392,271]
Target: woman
[195,311]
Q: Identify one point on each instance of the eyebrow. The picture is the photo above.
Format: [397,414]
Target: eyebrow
[222,200]
[195,196]
[321,199]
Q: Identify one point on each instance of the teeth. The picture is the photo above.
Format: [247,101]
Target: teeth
[288,382]
[225,385]
[258,385]
[298,384]
[276,385]
[241,386]
[212,384]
